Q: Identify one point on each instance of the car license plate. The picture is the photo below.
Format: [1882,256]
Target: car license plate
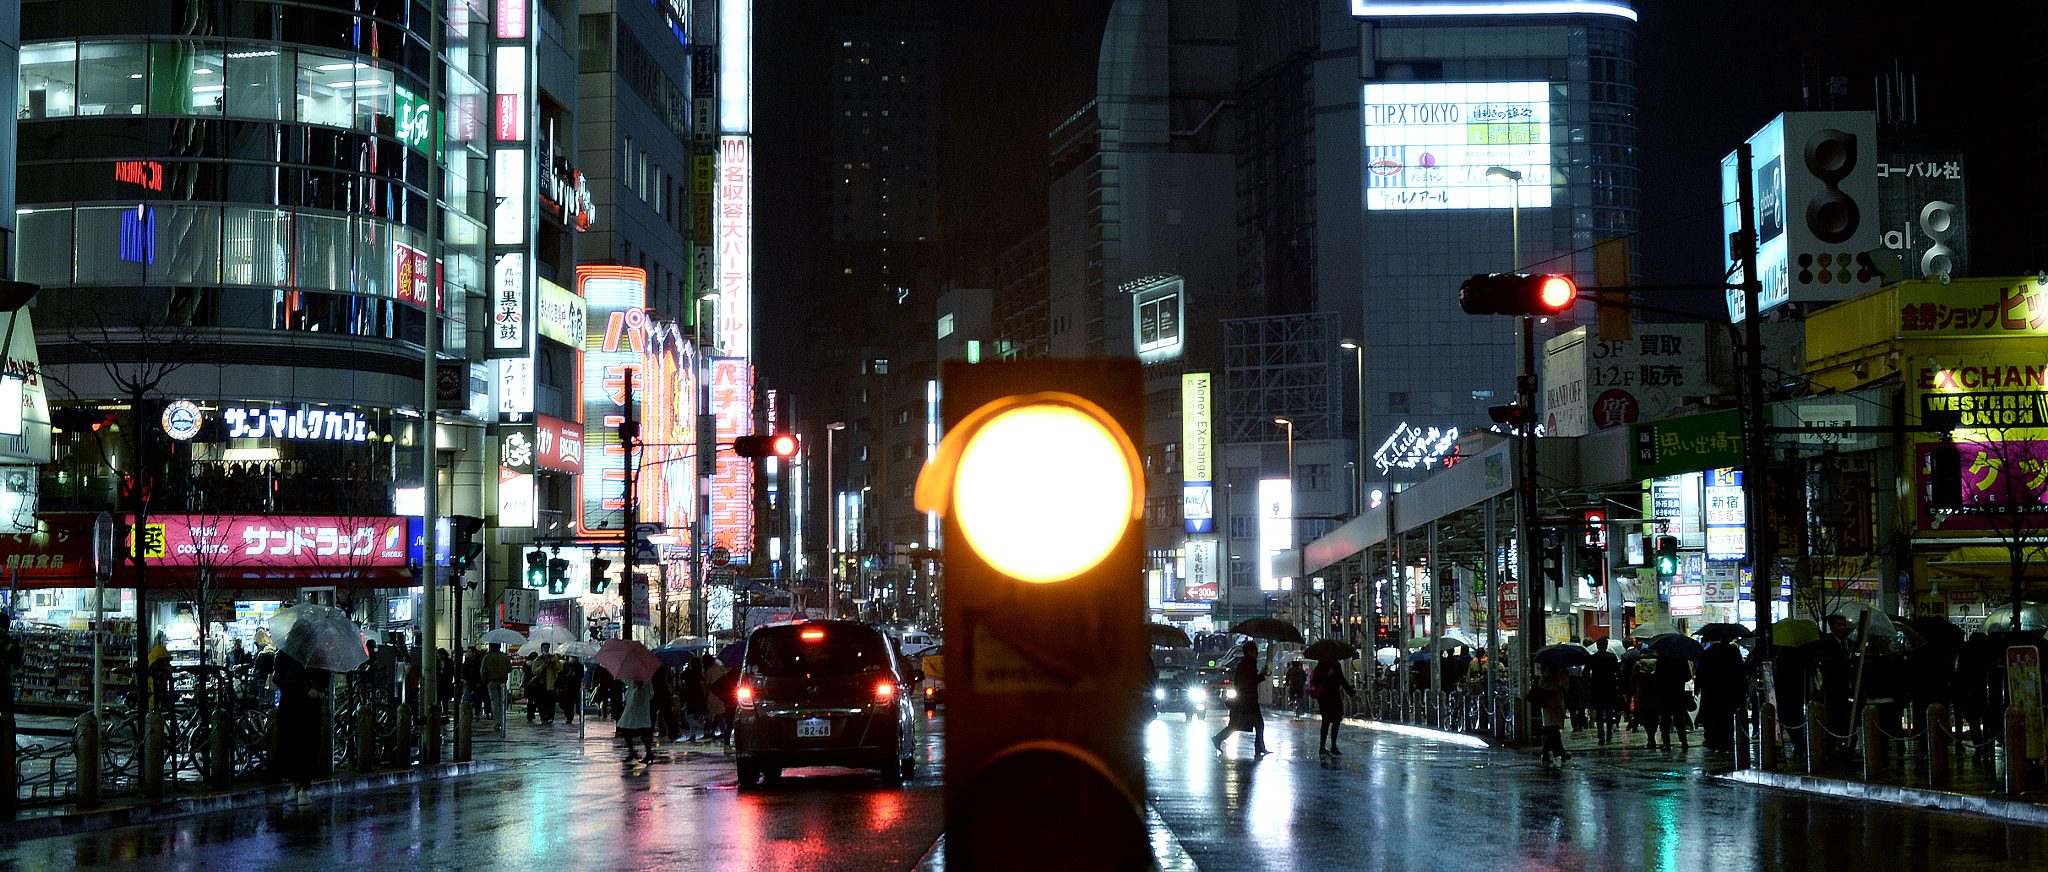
[813,728]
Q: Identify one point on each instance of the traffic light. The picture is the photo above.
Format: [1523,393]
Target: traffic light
[765,445]
[1516,294]
[1592,565]
[463,549]
[598,580]
[558,576]
[536,569]
[1041,488]
[1667,555]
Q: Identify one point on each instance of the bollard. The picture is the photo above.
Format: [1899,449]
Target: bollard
[153,755]
[1816,738]
[1742,738]
[10,761]
[1873,746]
[402,747]
[2015,750]
[366,736]
[464,731]
[85,734]
[323,765]
[1767,737]
[430,738]
[1939,746]
[220,754]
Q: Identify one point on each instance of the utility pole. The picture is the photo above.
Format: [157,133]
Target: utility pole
[1763,588]
[629,437]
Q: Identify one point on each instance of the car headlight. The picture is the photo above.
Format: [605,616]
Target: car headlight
[1197,694]
[1230,693]
[1158,693]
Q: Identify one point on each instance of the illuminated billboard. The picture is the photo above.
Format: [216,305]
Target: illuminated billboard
[1815,182]
[1197,439]
[1276,530]
[732,488]
[615,296]
[1428,145]
[1401,8]
[734,249]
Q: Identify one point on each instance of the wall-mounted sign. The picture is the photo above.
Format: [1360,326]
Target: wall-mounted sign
[1198,511]
[1428,145]
[416,279]
[295,423]
[558,444]
[508,303]
[181,419]
[1815,184]
[561,315]
[1412,447]
[515,475]
[414,124]
[735,246]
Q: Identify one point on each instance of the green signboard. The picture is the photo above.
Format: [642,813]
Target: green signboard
[415,122]
[1687,444]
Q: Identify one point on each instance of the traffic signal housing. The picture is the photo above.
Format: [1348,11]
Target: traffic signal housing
[765,445]
[1041,489]
[463,549]
[1667,555]
[1592,564]
[558,576]
[598,580]
[536,569]
[1517,294]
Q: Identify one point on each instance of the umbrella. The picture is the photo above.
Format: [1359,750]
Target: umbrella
[1168,636]
[1564,655]
[731,655]
[1447,643]
[580,650]
[690,642]
[503,636]
[1270,629]
[676,658]
[1794,632]
[1675,645]
[1419,656]
[1331,649]
[1723,632]
[1387,656]
[1880,627]
[627,660]
[1937,631]
[555,636]
[1652,630]
[319,636]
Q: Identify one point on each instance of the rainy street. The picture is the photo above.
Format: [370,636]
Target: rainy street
[1391,801]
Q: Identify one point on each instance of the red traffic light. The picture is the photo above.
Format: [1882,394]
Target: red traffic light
[765,445]
[1517,294]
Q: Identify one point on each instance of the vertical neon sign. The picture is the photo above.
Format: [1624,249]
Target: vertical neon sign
[732,488]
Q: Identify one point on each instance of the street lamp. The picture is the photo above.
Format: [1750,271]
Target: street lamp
[831,523]
[1357,350]
[1525,466]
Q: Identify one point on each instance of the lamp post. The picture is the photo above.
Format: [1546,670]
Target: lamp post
[1525,462]
[1293,531]
[831,523]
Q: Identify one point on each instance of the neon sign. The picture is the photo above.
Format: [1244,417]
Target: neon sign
[147,173]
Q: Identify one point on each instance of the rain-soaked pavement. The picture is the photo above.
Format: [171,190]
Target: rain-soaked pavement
[1391,801]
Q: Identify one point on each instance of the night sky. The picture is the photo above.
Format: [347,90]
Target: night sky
[1709,75]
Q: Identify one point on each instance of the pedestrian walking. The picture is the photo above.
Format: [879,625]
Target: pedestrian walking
[444,681]
[300,691]
[1643,690]
[636,720]
[690,695]
[569,689]
[1329,687]
[547,673]
[1297,687]
[1245,716]
[1674,701]
[1603,690]
[495,668]
[473,682]
[1551,685]
[1721,685]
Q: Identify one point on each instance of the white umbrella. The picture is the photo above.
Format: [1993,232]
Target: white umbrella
[319,636]
[555,636]
[503,636]
[1881,626]
[583,650]
[1387,656]
[1652,630]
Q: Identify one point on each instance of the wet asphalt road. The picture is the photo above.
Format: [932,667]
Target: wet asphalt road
[1390,802]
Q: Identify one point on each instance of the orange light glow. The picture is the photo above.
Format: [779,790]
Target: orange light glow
[743,693]
[885,691]
[812,635]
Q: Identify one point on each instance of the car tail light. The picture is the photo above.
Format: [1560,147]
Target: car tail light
[812,635]
[885,691]
[743,693]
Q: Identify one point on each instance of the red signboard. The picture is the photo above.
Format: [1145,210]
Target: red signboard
[232,548]
[558,444]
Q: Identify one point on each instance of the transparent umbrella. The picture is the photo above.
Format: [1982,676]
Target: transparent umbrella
[319,636]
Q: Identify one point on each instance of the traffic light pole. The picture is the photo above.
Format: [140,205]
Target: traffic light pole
[1534,619]
[629,434]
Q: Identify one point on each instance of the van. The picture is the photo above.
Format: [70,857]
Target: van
[823,693]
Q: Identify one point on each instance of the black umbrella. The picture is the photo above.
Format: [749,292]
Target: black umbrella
[1723,632]
[1168,636]
[1270,629]
[1937,631]
[1675,645]
[1563,656]
[1330,649]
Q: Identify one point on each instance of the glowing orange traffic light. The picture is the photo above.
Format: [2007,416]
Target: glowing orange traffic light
[765,445]
[1517,294]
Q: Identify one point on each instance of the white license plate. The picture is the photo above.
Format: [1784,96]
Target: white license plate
[813,728]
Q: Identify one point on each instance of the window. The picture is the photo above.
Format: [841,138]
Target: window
[110,78]
[185,78]
[49,80]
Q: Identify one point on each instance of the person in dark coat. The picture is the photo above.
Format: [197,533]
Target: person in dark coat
[1245,716]
[1330,689]
[1603,674]
[1297,687]
[301,691]
[473,683]
[1974,668]
[1674,701]
[1720,683]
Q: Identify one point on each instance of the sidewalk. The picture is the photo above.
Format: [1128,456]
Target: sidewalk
[1974,788]
[489,750]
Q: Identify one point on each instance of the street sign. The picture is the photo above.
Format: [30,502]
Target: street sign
[643,544]
[521,605]
[720,555]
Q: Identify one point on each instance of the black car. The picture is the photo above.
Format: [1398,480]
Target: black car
[823,693]
[1180,690]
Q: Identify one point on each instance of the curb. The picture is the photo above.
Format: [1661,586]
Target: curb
[2003,809]
[72,823]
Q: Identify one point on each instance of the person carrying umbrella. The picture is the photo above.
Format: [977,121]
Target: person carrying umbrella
[1244,710]
[496,667]
[299,699]
[1329,687]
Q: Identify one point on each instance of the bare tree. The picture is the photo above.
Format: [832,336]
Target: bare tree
[2003,481]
